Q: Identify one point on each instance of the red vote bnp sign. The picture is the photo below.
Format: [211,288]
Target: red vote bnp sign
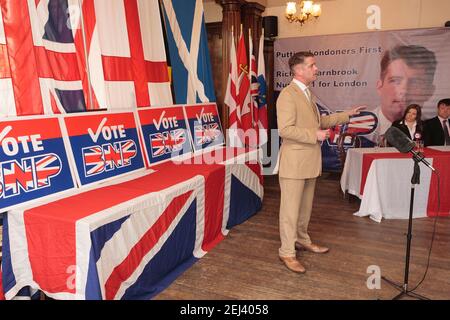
[104,145]
[165,133]
[33,161]
[204,125]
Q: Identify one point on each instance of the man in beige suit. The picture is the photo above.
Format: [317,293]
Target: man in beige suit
[301,129]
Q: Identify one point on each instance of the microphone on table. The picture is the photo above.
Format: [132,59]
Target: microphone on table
[404,144]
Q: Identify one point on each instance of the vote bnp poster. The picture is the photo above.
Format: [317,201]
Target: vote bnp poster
[204,126]
[33,161]
[165,133]
[104,145]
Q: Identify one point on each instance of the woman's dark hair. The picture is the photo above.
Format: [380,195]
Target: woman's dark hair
[417,108]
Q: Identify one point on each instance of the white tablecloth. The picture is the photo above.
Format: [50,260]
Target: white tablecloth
[388,185]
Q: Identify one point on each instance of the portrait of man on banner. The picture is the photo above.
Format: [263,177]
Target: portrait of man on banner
[406,77]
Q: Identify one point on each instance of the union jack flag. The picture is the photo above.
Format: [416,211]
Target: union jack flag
[40,59]
[43,47]
[120,154]
[112,155]
[94,160]
[360,125]
[167,142]
[363,124]
[128,152]
[131,245]
[157,141]
[18,177]
[46,167]
[175,140]
[31,174]
[206,133]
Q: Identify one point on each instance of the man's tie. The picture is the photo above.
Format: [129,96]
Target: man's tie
[446,133]
[308,94]
[313,105]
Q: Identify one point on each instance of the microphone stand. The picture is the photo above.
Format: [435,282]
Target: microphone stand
[404,291]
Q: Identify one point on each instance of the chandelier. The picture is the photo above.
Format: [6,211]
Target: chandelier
[307,9]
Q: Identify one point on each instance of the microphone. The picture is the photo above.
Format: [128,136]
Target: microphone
[404,144]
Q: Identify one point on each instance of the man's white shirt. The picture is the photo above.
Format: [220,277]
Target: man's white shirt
[383,125]
[303,87]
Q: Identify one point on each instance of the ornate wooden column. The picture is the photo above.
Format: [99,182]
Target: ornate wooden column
[231,10]
[252,19]
[214,31]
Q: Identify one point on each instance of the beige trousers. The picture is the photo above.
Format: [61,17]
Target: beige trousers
[295,212]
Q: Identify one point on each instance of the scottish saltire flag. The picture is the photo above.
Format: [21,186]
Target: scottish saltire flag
[263,124]
[188,49]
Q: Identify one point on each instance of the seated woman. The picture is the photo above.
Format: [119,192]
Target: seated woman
[411,123]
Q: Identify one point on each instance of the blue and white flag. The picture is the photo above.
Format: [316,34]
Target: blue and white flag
[188,49]
[263,123]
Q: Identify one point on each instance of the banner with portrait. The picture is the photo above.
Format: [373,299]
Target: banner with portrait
[383,70]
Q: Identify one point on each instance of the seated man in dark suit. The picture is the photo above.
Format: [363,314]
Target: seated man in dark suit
[437,129]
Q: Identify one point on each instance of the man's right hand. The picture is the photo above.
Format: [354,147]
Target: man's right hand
[322,135]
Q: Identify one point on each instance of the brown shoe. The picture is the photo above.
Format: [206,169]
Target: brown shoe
[311,247]
[293,264]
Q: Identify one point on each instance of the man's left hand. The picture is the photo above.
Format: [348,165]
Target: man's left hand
[356,110]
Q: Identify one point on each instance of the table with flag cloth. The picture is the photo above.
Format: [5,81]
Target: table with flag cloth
[129,239]
[381,178]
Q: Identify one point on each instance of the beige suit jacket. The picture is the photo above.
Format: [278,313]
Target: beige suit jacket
[298,122]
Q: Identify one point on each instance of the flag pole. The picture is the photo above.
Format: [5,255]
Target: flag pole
[250,49]
[88,72]
[232,32]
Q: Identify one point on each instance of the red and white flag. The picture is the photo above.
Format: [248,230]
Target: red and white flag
[262,95]
[244,101]
[254,90]
[231,99]
[126,53]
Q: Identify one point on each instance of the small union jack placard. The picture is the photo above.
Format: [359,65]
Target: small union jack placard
[165,133]
[33,160]
[204,126]
[104,145]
